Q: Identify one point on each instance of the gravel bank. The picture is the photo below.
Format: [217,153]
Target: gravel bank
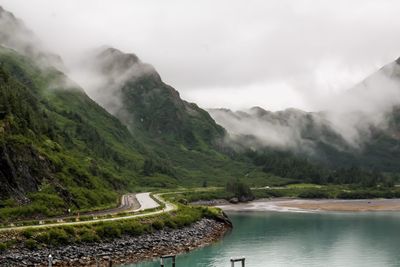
[123,250]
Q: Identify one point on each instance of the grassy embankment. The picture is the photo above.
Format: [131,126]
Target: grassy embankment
[75,217]
[35,238]
[307,191]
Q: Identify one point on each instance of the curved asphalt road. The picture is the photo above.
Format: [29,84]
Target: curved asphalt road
[145,201]
[129,203]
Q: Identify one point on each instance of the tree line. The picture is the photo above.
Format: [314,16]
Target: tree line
[285,164]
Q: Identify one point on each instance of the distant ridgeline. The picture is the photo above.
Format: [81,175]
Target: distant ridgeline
[316,152]
[360,146]
[59,149]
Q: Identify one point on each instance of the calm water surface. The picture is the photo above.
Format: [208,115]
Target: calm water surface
[303,239]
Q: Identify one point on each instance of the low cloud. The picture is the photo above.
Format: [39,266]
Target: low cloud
[349,118]
[275,54]
[233,50]
[367,105]
[103,73]
[16,35]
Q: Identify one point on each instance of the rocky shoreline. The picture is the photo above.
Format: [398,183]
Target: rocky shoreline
[123,250]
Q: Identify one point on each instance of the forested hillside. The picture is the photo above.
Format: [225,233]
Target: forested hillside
[58,144]
[189,143]
[312,136]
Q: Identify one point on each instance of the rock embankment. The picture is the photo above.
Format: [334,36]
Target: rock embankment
[123,250]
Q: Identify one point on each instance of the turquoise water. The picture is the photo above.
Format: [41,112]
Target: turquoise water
[303,239]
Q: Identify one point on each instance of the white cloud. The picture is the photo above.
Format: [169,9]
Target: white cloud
[236,53]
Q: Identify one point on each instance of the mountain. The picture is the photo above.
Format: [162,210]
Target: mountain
[61,150]
[362,131]
[147,105]
[57,143]
[289,129]
[182,135]
[16,35]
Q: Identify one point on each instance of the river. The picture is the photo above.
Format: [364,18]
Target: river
[327,239]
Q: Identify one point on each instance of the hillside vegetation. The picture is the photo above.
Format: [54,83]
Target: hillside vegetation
[60,150]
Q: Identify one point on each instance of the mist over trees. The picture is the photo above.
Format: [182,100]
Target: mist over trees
[285,164]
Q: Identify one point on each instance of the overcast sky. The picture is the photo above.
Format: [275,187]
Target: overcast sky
[234,54]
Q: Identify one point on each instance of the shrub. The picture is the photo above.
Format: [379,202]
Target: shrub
[43,237]
[313,194]
[157,224]
[240,190]
[89,236]
[109,230]
[70,230]
[9,203]
[210,212]
[267,193]
[58,236]
[364,194]
[182,220]
[27,233]
[3,246]
[134,228]
[31,244]
[169,222]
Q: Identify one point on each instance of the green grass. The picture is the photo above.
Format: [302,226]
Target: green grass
[192,196]
[307,191]
[304,185]
[108,230]
[329,191]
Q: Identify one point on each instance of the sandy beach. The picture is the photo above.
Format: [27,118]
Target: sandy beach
[302,205]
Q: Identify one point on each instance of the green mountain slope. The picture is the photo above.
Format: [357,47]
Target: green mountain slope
[57,144]
[367,138]
[312,137]
[185,137]
[148,105]
[60,150]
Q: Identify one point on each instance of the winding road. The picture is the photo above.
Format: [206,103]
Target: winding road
[129,203]
[146,202]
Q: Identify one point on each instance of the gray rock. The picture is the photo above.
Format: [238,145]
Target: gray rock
[234,200]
